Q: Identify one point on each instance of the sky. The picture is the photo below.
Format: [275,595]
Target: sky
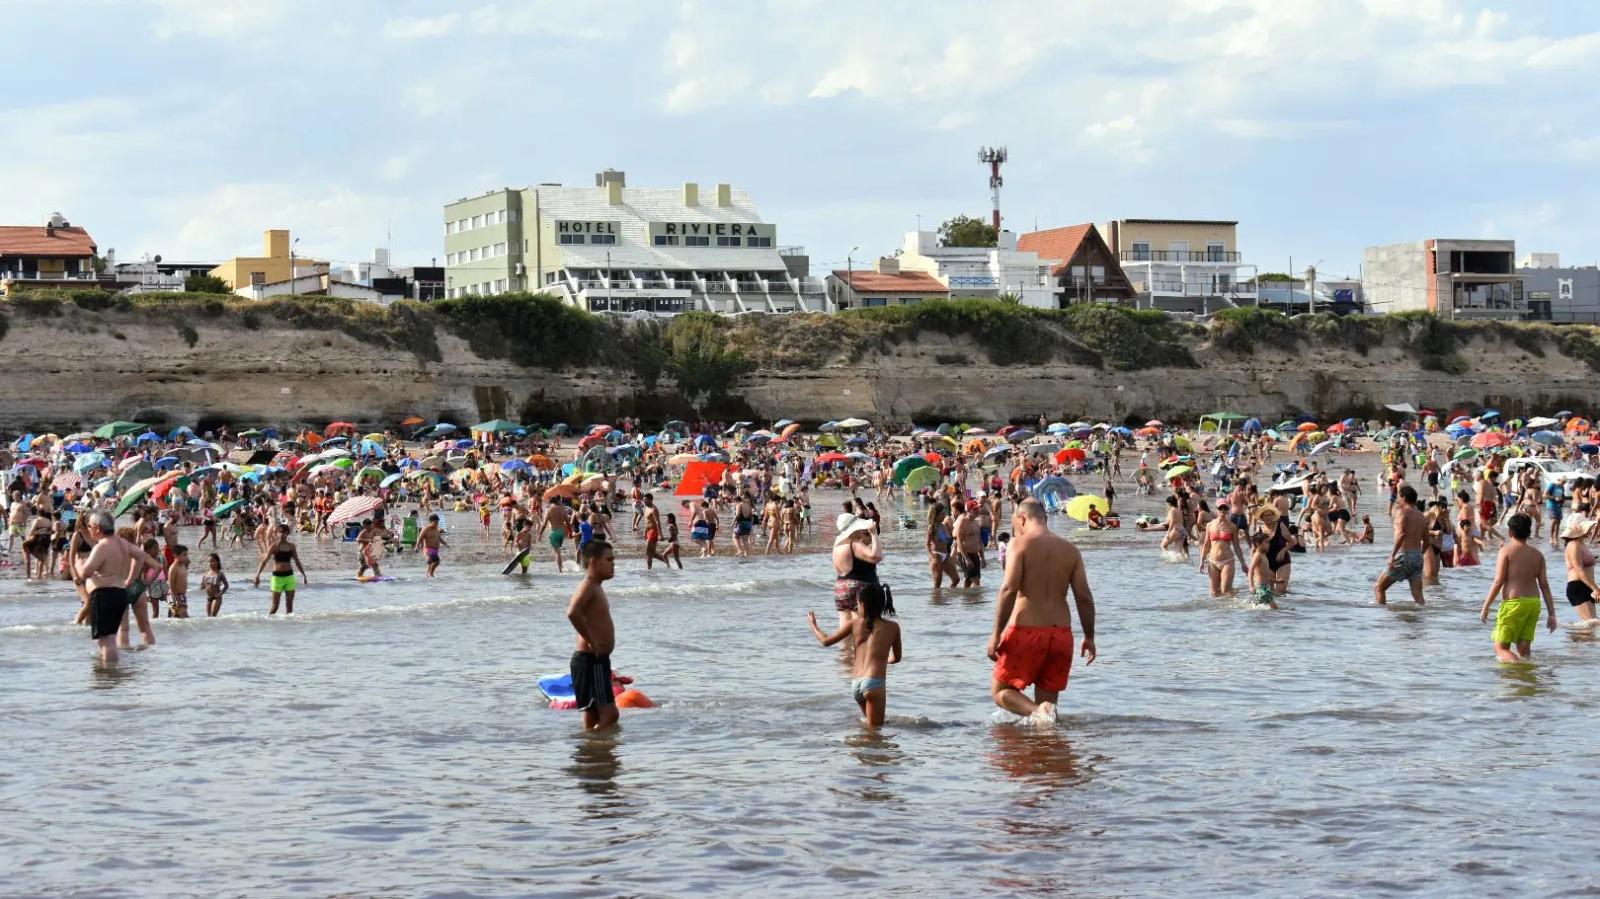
[187,127]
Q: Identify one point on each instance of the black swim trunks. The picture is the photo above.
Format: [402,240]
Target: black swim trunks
[1579,593]
[107,605]
[591,680]
[971,564]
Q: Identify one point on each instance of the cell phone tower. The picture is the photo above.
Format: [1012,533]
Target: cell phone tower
[995,157]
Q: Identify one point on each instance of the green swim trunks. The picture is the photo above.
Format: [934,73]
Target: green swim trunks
[282,583]
[557,538]
[1517,621]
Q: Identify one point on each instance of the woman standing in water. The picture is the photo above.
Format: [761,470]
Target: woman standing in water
[1581,587]
[285,558]
[857,550]
[1219,549]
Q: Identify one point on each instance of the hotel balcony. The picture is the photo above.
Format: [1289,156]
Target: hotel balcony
[1216,257]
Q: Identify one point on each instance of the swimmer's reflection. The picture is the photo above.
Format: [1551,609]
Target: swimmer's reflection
[879,756]
[1523,678]
[594,769]
[106,677]
[1043,759]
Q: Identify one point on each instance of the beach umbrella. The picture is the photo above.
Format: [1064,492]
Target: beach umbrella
[132,474]
[166,462]
[738,426]
[1542,422]
[1339,428]
[1043,449]
[1183,443]
[682,459]
[1148,432]
[443,427]
[338,427]
[115,429]
[560,429]
[563,491]
[410,421]
[1178,471]
[1154,423]
[463,443]
[1577,426]
[515,465]
[1589,449]
[852,423]
[1078,506]
[227,508]
[372,448]
[89,462]
[1548,438]
[1306,427]
[713,457]
[391,480]
[67,480]
[137,492]
[1069,455]
[181,432]
[1464,454]
[1320,447]
[496,426]
[996,452]
[541,461]
[827,427]
[251,434]
[371,471]
[829,458]
[758,438]
[922,478]
[81,435]
[1487,414]
[627,449]
[354,507]
[853,457]
[419,475]
[1490,440]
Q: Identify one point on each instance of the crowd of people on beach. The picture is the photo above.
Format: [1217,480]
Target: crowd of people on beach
[390,492]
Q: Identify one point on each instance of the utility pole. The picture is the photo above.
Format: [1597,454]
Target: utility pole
[294,288]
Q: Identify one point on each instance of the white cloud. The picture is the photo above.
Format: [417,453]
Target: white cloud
[413,29]
[218,18]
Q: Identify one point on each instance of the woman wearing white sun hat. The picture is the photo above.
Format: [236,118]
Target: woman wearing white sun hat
[857,550]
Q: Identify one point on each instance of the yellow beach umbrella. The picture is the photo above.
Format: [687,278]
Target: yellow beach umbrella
[1078,506]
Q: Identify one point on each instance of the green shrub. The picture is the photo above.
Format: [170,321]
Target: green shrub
[190,335]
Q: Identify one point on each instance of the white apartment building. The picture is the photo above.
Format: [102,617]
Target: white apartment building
[626,249]
[1182,265]
[984,272]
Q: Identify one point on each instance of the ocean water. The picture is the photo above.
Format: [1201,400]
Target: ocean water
[389,740]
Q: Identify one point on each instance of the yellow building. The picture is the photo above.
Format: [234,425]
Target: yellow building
[276,265]
[1182,265]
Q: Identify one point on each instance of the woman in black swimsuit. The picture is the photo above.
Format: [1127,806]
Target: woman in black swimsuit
[285,558]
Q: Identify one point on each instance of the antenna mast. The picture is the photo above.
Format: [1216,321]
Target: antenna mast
[994,156]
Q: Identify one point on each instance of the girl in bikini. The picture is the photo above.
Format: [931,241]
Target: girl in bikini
[1219,549]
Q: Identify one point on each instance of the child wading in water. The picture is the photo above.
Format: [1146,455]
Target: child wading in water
[877,647]
[214,583]
[1261,572]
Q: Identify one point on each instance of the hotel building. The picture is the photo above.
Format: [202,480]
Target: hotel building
[614,248]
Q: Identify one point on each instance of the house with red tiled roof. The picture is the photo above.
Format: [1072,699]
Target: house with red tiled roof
[1082,266]
[48,254]
[981,272]
[883,285]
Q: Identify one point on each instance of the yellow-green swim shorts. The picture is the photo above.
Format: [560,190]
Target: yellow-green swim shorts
[1517,621]
[282,583]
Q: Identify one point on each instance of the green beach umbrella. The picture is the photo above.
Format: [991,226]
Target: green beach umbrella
[346,462]
[927,476]
[226,509]
[136,493]
[496,426]
[906,466]
[117,429]
[371,471]
[1468,453]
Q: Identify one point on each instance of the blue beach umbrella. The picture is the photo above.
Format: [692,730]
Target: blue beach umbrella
[515,465]
[89,462]
[147,437]
[179,433]
[391,479]
[166,462]
[1547,438]
[78,447]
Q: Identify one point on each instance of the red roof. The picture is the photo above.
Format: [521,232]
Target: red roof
[868,281]
[29,240]
[1057,244]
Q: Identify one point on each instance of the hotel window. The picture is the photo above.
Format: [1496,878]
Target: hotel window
[753,241]
[500,286]
[499,249]
[477,221]
[449,259]
[666,240]
[727,241]
[603,238]
[449,227]
[569,238]
[696,240]
[500,217]
[461,226]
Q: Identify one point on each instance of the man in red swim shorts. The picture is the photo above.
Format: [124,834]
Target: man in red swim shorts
[1032,641]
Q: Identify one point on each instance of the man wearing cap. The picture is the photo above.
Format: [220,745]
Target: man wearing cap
[857,550]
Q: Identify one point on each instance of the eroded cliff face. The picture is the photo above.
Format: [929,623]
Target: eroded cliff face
[83,368]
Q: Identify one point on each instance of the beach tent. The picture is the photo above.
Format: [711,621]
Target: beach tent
[696,475]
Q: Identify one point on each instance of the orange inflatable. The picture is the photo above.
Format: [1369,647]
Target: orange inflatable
[633,699]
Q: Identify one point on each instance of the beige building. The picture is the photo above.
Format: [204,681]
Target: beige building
[884,285]
[278,263]
[1182,265]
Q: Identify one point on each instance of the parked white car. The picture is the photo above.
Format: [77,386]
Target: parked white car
[1552,471]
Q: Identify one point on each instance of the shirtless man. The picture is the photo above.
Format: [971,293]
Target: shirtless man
[652,532]
[556,518]
[429,540]
[1488,505]
[969,545]
[1032,640]
[590,615]
[1405,559]
[104,574]
[1519,582]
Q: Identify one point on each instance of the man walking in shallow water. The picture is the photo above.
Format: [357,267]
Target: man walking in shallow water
[1032,641]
